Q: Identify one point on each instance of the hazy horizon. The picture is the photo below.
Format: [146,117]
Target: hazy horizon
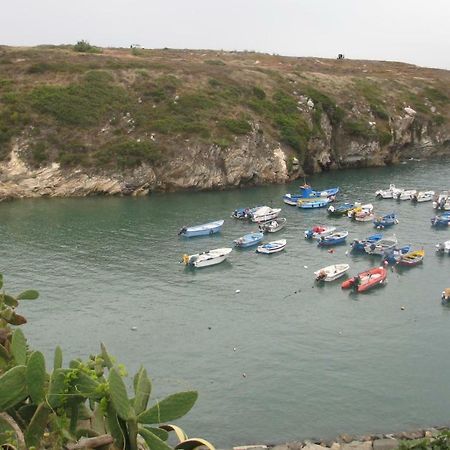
[408,31]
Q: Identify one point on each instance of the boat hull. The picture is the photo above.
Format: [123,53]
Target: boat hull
[272,247]
[202,230]
[367,280]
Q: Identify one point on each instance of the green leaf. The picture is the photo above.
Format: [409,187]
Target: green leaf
[28,295]
[114,428]
[105,356]
[153,441]
[58,359]
[56,388]
[159,432]
[13,387]
[19,347]
[171,408]
[86,385]
[10,301]
[119,396]
[37,426]
[17,319]
[36,377]
[1,281]
[143,387]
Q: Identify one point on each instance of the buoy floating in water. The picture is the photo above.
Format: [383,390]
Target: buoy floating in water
[133,328]
[237,291]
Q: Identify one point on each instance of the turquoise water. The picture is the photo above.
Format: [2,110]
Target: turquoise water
[317,361]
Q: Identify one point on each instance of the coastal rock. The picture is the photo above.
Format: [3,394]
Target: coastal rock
[357,445]
[311,446]
[385,444]
[345,438]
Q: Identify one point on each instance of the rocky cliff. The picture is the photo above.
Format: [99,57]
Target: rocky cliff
[134,121]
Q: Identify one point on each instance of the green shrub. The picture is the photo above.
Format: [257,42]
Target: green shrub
[127,154]
[438,120]
[84,47]
[436,96]
[357,128]
[258,92]
[39,153]
[328,105]
[384,137]
[222,142]
[237,126]
[40,67]
[214,62]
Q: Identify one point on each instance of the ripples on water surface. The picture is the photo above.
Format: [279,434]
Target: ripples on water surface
[318,361]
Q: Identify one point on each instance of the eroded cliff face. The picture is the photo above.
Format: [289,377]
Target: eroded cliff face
[250,160]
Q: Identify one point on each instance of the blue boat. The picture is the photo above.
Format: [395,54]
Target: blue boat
[340,210]
[313,203]
[243,213]
[393,255]
[202,230]
[385,221]
[336,238]
[441,221]
[307,192]
[359,244]
[248,240]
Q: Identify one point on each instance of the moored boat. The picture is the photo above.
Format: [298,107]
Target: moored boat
[264,213]
[445,296]
[425,196]
[393,255]
[380,247]
[443,247]
[331,273]
[208,258]
[406,194]
[243,213]
[318,231]
[272,226]
[249,240]
[364,217]
[442,201]
[306,192]
[366,280]
[272,247]
[359,208]
[335,238]
[320,202]
[340,210]
[412,258]
[392,192]
[359,244]
[441,221]
[385,221]
[202,230]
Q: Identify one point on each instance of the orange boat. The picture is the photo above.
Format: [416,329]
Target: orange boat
[366,280]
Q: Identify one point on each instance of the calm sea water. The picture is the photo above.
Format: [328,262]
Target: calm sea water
[317,361]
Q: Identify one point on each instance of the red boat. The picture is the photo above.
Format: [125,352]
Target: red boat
[366,280]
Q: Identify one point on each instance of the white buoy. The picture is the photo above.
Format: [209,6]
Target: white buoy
[237,291]
[402,308]
[133,328]
[234,349]
[305,267]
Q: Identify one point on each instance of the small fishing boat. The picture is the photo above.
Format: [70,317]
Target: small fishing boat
[243,213]
[202,230]
[320,202]
[359,244]
[441,221]
[331,273]
[364,217]
[306,192]
[340,210]
[336,238]
[209,258]
[272,226]
[272,247]
[406,194]
[318,231]
[444,247]
[420,197]
[442,201]
[380,247]
[412,258]
[367,208]
[264,213]
[392,192]
[393,255]
[385,221]
[366,280]
[248,240]
[291,199]
[445,296]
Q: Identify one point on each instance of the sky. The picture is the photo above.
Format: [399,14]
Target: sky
[413,31]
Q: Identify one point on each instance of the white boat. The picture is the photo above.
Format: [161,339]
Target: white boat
[367,208]
[425,196]
[443,247]
[272,226]
[209,258]
[392,192]
[364,217]
[264,214]
[272,247]
[317,231]
[331,273]
[442,201]
[381,246]
[407,194]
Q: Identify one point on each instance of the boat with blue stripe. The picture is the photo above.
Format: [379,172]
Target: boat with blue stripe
[359,244]
[249,240]
[385,221]
[306,192]
[202,230]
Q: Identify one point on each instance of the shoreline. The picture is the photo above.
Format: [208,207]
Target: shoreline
[374,441]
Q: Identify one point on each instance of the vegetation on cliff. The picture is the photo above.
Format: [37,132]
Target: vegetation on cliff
[118,108]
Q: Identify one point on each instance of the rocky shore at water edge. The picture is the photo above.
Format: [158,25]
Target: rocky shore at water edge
[344,441]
